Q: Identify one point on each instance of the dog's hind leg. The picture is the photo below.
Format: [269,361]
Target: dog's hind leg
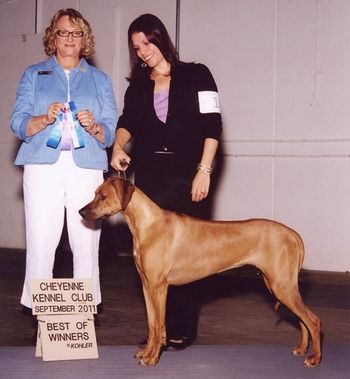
[311,323]
[304,342]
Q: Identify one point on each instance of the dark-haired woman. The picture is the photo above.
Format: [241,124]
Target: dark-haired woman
[65,114]
[171,113]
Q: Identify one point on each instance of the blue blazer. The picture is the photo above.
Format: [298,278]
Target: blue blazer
[45,83]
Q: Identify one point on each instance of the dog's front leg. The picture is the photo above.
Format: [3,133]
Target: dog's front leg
[155,298]
[150,317]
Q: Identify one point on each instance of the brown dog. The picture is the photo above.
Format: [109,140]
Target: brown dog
[174,249]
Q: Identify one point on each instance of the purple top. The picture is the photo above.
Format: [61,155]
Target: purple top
[161,104]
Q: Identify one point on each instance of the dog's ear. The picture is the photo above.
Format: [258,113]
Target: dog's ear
[124,190]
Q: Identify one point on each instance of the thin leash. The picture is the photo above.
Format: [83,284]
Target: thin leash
[120,173]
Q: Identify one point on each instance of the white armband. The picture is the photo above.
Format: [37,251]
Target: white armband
[208,102]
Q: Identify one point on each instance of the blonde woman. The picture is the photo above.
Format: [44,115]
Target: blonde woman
[65,115]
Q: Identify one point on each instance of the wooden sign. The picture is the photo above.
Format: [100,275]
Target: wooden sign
[62,296]
[66,337]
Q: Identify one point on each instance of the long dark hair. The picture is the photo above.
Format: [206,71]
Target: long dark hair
[155,33]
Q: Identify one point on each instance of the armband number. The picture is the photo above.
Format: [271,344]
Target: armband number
[208,102]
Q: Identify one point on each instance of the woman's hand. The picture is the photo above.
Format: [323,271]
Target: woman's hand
[120,160]
[52,112]
[200,186]
[88,122]
[37,123]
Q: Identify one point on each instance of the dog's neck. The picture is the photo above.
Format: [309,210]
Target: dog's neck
[141,214]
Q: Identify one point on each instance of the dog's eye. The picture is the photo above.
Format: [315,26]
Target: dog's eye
[102,197]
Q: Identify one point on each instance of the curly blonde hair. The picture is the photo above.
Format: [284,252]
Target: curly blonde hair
[77,20]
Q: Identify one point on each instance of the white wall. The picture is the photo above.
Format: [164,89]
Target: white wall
[16,53]
[282,71]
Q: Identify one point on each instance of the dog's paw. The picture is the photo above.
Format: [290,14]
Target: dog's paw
[312,361]
[139,354]
[149,361]
[147,357]
[299,351]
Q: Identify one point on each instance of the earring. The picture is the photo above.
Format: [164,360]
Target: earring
[143,65]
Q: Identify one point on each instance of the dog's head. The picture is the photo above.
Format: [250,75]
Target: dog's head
[111,197]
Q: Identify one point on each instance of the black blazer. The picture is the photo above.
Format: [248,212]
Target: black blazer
[186,125]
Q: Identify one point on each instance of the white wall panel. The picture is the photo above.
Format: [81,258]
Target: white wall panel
[243,178]
[47,8]
[15,54]
[17,17]
[312,195]
[313,77]
[235,39]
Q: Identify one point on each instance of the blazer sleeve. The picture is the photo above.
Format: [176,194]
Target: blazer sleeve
[23,108]
[208,102]
[109,113]
[130,116]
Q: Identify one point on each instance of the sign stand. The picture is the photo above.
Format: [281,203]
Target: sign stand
[64,308]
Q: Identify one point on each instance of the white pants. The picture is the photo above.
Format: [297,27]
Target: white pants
[49,190]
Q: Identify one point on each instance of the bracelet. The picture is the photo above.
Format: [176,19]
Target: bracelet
[206,169]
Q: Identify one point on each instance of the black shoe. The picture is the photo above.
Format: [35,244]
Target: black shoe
[176,344]
[172,344]
[142,344]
